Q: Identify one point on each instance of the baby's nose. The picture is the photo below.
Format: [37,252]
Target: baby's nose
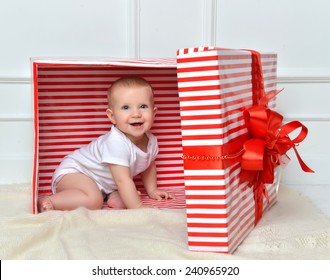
[136,113]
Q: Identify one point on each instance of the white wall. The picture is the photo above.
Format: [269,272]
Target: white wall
[296,30]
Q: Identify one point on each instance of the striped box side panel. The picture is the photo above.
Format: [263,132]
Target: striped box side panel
[214,89]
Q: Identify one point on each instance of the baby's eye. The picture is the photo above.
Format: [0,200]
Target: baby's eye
[144,106]
[125,107]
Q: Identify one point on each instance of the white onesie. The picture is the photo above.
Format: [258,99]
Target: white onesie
[113,147]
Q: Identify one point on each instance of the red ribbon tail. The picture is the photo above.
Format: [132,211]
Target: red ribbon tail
[303,165]
[269,96]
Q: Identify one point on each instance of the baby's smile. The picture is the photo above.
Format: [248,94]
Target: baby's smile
[137,124]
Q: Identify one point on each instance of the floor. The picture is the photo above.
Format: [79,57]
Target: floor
[318,194]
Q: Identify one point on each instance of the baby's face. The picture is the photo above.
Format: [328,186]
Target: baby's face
[132,110]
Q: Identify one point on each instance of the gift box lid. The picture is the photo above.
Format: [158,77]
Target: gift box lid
[106,61]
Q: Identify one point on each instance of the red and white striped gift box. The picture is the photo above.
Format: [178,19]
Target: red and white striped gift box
[215,87]
[200,99]
[70,99]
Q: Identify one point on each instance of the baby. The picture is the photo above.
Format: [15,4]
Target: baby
[104,169]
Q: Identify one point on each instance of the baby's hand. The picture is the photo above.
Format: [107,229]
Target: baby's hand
[146,206]
[160,194]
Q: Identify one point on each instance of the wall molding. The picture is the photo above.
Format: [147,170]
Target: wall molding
[133,29]
[209,22]
[302,79]
[133,51]
[307,117]
[15,118]
[15,80]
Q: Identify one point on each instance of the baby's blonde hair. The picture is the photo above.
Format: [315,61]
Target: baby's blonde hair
[128,81]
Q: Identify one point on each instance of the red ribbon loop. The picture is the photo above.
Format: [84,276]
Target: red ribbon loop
[269,140]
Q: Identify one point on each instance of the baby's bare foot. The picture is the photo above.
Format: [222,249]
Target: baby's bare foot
[45,204]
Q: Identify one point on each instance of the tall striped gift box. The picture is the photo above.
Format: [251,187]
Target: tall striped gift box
[207,99]
[215,87]
[70,99]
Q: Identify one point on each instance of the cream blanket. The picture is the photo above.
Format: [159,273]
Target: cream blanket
[292,229]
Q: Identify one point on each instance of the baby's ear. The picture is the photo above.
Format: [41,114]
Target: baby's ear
[110,116]
[155,110]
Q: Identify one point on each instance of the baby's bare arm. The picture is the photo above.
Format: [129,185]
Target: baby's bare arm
[149,178]
[126,186]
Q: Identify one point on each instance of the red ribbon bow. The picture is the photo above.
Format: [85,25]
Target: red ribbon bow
[268,141]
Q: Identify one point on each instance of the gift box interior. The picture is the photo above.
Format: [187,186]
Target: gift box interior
[70,105]
[200,98]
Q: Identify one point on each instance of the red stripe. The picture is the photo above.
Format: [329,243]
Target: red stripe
[78,123]
[160,172]
[214,87]
[66,117]
[155,127]
[199,88]
[210,117]
[207,225]
[207,244]
[198,69]
[207,216]
[64,130]
[205,196]
[47,67]
[197,59]
[56,150]
[79,97]
[221,96]
[159,159]
[234,66]
[211,188]
[211,126]
[198,79]
[164,145]
[214,77]
[67,136]
[78,143]
[36,136]
[67,104]
[44,111]
[73,89]
[208,234]
[206,206]
[172,185]
[205,177]
[215,106]
[115,75]
[214,136]
[173,139]
[169,153]
[42,163]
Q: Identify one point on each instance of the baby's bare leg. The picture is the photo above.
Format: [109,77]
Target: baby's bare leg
[114,201]
[76,190]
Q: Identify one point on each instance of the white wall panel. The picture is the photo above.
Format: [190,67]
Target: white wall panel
[297,30]
[304,99]
[59,28]
[16,151]
[166,26]
[21,138]
[16,100]
[315,153]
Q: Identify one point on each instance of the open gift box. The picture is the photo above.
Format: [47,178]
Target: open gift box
[201,125]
